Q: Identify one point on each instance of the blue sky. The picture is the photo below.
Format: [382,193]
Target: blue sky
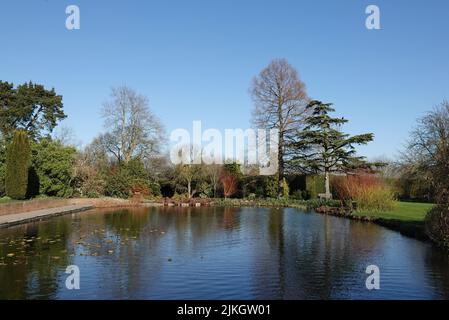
[195,59]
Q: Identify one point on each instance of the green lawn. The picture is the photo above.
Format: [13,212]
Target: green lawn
[403,211]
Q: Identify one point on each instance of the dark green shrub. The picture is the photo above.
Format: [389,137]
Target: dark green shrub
[2,179]
[33,183]
[271,187]
[155,188]
[2,167]
[130,177]
[18,161]
[285,189]
[315,185]
[204,190]
[119,183]
[296,182]
[54,166]
[300,195]
[316,203]
[437,225]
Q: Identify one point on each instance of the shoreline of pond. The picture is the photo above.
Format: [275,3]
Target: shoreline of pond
[48,208]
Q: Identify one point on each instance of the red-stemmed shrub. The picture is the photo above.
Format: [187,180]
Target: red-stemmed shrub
[229,184]
[368,191]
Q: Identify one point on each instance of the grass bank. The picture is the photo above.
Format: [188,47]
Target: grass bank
[403,211]
[405,217]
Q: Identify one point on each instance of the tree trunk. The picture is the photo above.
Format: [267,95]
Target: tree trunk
[328,194]
[189,189]
[280,162]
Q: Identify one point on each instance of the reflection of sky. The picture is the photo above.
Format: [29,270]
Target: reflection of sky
[216,253]
[396,272]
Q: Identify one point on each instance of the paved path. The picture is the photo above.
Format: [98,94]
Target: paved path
[25,217]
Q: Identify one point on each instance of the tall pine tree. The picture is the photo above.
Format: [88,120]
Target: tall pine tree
[18,160]
[322,148]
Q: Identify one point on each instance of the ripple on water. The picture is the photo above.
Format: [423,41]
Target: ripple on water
[215,253]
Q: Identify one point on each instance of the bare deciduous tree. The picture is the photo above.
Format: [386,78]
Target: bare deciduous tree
[428,149]
[280,103]
[213,171]
[428,156]
[187,175]
[66,136]
[133,129]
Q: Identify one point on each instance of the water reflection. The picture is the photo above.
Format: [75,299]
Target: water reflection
[31,259]
[215,253]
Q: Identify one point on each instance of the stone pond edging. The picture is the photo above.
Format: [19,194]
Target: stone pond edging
[22,212]
[10,220]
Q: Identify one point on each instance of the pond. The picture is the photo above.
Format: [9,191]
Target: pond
[215,253]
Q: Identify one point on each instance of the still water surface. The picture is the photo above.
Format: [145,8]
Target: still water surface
[215,253]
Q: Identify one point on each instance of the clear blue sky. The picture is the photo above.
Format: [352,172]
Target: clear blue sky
[195,59]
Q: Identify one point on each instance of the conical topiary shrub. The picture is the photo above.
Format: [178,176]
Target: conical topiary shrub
[18,160]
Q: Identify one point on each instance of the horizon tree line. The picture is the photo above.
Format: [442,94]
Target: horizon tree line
[310,140]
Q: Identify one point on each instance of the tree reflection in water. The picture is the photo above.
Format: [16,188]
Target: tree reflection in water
[215,253]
